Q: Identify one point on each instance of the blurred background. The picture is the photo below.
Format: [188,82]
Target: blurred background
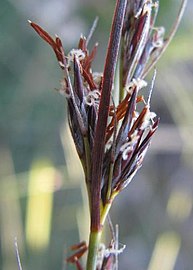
[43,202]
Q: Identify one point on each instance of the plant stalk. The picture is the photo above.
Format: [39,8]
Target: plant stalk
[93,250]
[100,133]
[95,236]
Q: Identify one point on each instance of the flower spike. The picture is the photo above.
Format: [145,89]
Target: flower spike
[111,139]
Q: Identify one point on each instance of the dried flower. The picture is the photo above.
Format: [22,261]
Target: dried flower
[111,140]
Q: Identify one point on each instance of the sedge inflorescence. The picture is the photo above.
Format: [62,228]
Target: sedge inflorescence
[111,136]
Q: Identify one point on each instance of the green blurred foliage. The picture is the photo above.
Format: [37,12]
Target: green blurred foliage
[30,120]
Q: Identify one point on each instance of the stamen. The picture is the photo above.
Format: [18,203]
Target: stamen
[75,52]
[115,251]
[105,252]
[127,147]
[92,98]
[97,77]
[148,120]
[147,7]
[139,83]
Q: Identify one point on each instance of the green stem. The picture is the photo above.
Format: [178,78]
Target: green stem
[107,208]
[95,236]
[93,250]
[105,212]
